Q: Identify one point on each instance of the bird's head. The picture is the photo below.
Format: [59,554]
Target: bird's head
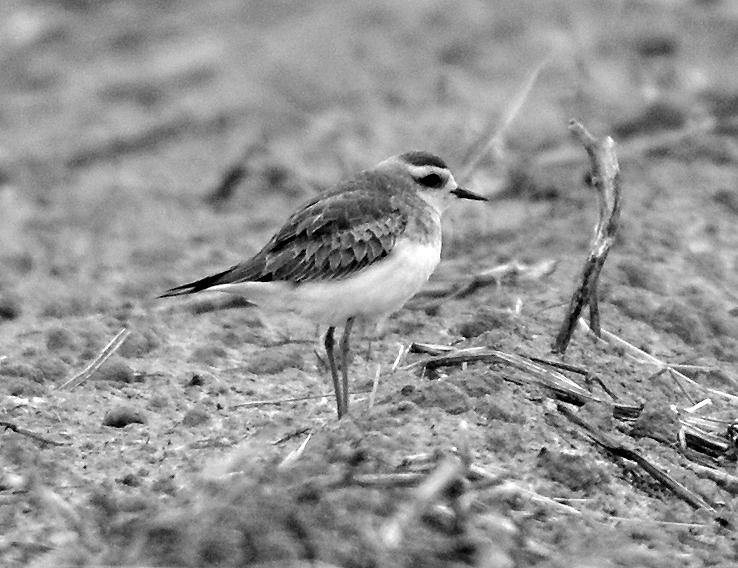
[430,177]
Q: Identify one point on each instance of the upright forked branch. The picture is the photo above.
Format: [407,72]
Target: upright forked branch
[605,179]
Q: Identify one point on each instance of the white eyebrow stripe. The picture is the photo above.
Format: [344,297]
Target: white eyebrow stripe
[419,172]
[422,171]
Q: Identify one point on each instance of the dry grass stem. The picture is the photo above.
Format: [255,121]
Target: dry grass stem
[235,173]
[255,403]
[545,377]
[435,485]
[658,522]
[702,439]
[430,348]
[618,449]
[375,386]
[400,359]
[642,357]
[605,178]
[562,386]
[494,140]
[295,454]
[28,433]
[511,489]
[699,406]
[388,480]
[290,435]
[462,287]
[681,386]
[727,481]
[103,356]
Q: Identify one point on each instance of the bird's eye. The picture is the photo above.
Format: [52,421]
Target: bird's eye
[431,180]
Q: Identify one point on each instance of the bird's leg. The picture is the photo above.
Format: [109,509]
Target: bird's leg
[329,344]
[345,361]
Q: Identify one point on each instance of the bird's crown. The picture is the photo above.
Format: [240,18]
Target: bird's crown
[425,170]
[417,158]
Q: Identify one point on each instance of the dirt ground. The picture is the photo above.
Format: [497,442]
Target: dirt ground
[119,124]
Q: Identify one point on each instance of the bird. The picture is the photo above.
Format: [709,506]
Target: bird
[359,250]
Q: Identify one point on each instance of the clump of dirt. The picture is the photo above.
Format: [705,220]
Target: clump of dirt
[487,319]
[122,415]
[638,274]
[139,344]
[440,394]
[197,416]
[676,317]
[571,470]
[208,354]
[116,370]
[273,360]
[656,421]
[10,307]
[236,517]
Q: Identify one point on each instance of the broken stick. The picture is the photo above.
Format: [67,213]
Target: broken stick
[605,178]
[609,442]
[25,432]
[449,471]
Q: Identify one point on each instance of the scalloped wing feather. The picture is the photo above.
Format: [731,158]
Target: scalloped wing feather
[332,237]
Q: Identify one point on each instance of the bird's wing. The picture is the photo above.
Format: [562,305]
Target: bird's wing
[332,236]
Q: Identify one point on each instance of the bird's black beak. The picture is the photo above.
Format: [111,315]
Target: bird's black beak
[463,193]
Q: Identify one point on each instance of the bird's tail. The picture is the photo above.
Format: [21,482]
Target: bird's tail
[196,286]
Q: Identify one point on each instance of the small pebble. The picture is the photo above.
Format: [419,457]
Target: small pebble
[195,417]
[484,320]
[115,370]
[10,308]
[274,360]
[123,415]
[639,274]
[59,338]
[195,381]
[139,344]
[677,318]
[208,354]
[130,480]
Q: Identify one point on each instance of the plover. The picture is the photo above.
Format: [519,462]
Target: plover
[360,250]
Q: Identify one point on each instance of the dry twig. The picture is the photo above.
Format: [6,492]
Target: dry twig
[237,171]
[435,485]
[495,139]
[618,449]
[563,387]
[388,480]
[722,478]
[642,357]
[267,402]
[605,176]
[375,387]
[103,356]
[25,432]
[295,454]
[512,489]
[496,275]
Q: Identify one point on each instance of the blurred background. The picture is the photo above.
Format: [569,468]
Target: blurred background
[120,118]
